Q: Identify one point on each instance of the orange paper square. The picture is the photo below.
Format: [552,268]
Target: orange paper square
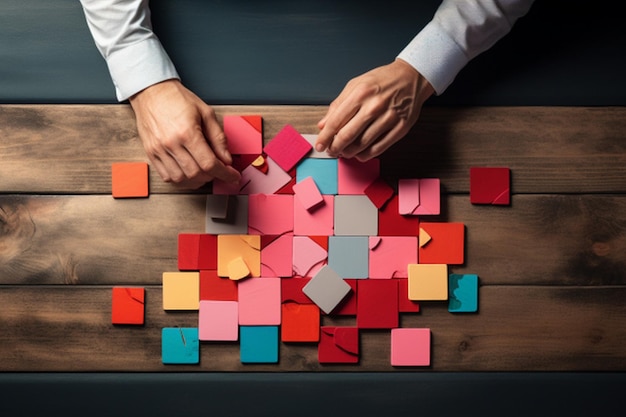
[129,179]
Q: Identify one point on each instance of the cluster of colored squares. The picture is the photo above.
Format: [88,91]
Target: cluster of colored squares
[304,235]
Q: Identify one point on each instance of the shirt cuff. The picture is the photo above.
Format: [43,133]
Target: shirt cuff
[435,55]
[139,66]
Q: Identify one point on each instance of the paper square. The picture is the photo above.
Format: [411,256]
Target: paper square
[181,290]
[277,256]
[236,220]
[270,214]
[129,179]
[419,196]
[389,256]
[259,302]
[463,293]
[197,251]
[127,305]
[255,181]
[307,193]
[490,185]
[392,223]
[348,256]
[317,222]
[353,176]
[326,289]
[300,323]
[291,290]
[355,215]
[244,134]
[218,321]
[442,243]
[258,344]
[377,304]
[379,192]
[231,247]
[428,282]
[338,345]
[216,288]
[404,304]
[287,148]
[323,172]
[410,347]
[180,345]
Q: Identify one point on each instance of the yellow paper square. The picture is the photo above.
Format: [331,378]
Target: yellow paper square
[181,290]
[428,282]
[246,247]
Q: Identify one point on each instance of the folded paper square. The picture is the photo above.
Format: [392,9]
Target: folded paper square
[300,323]
[377,304]
[218,321]
[232,247]
[197,251]
[259,302]
[390,255]
[255,181]
[355,215]
[354,176]
[180,345]
[379,192]
[308,256]
[348,256]
[129,179]
[291,290]
[419,196]
[214,287]
[270,214]
[490,185]
[428,282]
[127,305]
[307,193]
[323,172]
[410,347]
[338,345]
[181,290]
[392,223]
[244,133]
[277,255]
[288,147]
[326,289]
[258,344]
[442,243]
[463,293]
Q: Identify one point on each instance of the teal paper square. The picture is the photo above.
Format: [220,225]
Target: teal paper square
[258,344]
[463,293]
[180,345]
[348,256]
[323,172]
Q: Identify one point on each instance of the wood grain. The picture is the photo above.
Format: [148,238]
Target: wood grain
[518,328]
[69,149]
[539,240]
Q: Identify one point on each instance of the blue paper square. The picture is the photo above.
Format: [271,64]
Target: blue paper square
[180,345]
[463,293]
[348,256]
[258,344]
[323,172]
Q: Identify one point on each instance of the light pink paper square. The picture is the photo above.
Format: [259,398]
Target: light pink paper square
[317,222]
[218,320]
[270,214]
[259,302]
[390,255]
[410,347]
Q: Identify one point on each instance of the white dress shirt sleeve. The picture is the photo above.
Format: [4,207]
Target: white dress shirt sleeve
[122,31]
[459,31]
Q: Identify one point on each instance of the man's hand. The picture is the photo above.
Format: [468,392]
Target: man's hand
[373,111]
[181,135]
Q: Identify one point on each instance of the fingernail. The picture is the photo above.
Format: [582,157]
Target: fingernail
[319,147]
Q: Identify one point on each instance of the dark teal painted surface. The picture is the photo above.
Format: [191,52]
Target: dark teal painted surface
[303,52]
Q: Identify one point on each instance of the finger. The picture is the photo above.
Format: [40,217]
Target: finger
[205,163]
[371,134]
[337,115]
[215,137]
[382,144]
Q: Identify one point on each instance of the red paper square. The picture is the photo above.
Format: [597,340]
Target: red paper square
[127,305]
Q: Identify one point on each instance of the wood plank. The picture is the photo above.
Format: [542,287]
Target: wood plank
[60,149]
[538,240]
[517,329]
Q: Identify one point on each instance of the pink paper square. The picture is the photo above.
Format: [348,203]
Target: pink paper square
[410,347]
[242,137]
[390,255]
[307,193]
[419,196]
[276,257]
[287,148]
[218,320]
[317,222]
[354,176]
[253,181]
[259,302]
[270,214]
[308,256]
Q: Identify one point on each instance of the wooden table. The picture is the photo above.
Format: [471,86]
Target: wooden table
[552,265]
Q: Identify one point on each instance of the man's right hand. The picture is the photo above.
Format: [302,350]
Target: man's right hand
[181,136]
